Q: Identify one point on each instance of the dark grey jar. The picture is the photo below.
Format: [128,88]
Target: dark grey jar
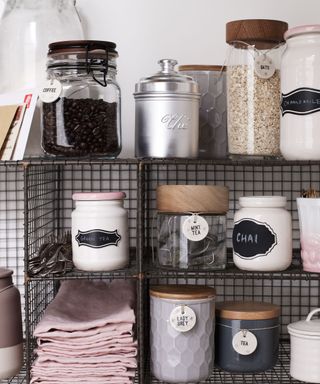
[247,336]
[11,341]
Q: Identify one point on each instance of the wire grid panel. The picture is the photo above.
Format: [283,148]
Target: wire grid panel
[242,179]
[11,221]
[39,294]
[49,196]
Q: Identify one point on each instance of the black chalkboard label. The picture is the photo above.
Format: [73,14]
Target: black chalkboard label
[97,238]
[301,101]
[251,239]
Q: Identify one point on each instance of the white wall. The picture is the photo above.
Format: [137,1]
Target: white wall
[191,31]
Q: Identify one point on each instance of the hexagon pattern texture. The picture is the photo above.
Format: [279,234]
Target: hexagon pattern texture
[178,357]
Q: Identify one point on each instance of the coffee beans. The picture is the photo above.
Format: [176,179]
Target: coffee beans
[80,127]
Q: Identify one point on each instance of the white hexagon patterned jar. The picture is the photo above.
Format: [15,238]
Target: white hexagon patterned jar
[182,332]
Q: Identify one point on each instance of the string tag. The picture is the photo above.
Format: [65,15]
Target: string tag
[50,91]
[244,342]
[264,66]
[183,318]
[195,227]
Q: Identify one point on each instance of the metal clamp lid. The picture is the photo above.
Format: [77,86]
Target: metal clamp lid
[167,80]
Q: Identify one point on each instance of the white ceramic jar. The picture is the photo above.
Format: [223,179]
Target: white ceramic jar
[305,349]
[100,231]
[262,234]
[300,88]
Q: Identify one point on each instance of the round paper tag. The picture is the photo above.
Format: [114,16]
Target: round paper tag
[244,342]
[195,228]
[264,66]
[183,318]
[50,91]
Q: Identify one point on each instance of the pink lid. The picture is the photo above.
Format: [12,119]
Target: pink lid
[302,29]
[98,196]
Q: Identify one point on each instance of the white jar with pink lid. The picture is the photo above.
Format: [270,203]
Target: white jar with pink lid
[100,240]
[300,88]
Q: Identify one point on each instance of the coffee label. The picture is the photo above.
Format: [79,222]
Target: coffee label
[97,238]
[244,342]
[195,228]
[183,318]
[264,67]
[252,238]
[50,91]
[301,101]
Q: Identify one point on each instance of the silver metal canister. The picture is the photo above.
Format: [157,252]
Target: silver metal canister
[167,114]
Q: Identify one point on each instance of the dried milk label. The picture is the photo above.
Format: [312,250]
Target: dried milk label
[244,342]
[252,238]
[264,66]
[301,101]
[50,91]
[195,228]
[183,318]
[97,238]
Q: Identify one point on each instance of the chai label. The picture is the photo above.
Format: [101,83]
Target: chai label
[195,228]
[252,238]
[301,101]
[183,318]
[244,342]
[97,238]
[50,91]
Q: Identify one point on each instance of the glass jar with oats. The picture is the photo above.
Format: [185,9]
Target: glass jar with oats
[253,86]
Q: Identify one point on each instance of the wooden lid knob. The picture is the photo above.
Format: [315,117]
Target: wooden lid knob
[262,33]
[193,198]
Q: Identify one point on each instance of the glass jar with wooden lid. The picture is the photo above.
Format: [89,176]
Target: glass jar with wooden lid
[253,86]
[191,226]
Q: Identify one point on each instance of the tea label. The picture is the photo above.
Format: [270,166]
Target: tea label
[97,238]
[195,228]
[244,342]
[252,238]
[50,91]
[183,318]
[264,67]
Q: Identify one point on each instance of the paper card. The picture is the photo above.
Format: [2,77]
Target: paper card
[7,114]
[28,97]
[11,140]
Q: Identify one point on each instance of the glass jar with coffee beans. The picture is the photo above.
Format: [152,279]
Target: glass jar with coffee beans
[81,100]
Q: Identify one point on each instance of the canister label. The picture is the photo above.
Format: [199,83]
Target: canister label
[183,318]
[195,228]
[252,238]
[50,91]
[264,66]
[97,238]
[301,101]
[244,342]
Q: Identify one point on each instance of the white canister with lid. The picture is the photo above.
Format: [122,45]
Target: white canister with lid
[300,88]
[100,231]
[262,234]
[305,349]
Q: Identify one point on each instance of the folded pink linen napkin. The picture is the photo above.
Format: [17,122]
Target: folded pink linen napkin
[85,304]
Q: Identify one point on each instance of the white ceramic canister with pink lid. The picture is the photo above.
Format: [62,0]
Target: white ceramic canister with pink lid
[300,88]
[100,240]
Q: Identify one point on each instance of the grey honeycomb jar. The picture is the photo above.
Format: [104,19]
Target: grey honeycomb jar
[182,332]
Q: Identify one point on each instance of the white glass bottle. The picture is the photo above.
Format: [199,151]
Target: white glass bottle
[300,88]
[262,234]
[100,240]
[26,29]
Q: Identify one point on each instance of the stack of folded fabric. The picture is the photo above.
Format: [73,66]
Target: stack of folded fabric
[86,335]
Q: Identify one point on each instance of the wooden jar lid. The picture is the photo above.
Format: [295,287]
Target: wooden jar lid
[200,67]
[182,292]
[262,33]
[247,310]
[193,198]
